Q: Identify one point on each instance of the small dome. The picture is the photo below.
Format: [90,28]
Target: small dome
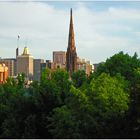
[26,51]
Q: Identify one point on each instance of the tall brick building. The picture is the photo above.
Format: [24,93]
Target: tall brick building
[59,59]
[25,64]
[11,64]
[3,73]
[71,55]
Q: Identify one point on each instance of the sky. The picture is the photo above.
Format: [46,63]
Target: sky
[102,28]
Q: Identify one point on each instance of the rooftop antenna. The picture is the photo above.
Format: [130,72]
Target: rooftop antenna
[17,49]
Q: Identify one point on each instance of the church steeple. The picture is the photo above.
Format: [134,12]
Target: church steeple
[71,55]
[71,15]
[71,42]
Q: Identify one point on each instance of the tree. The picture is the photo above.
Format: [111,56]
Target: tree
[98,106]
[91,110]
[120,63]
[128,67]
[30,127]
[111,92]
[110,101]
[45,75]
[132,119]
[21,80]
[78,78]
[46,96]
[63,124]
[61,78]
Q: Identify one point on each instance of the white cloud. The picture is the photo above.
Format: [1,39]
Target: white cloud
[98,34]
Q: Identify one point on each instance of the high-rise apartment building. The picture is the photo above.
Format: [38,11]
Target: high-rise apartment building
[11,64]
[71,55]
[25,64]
[37,69]
[82,64]
[59,59]
[3,73]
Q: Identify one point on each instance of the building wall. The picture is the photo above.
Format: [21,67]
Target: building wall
[43,66]
[3,73]
[49,64]
[37,69]
[31,67]
[25,65]
[59,59]
[95,67]
[10,63]
[82,64]
[15,68]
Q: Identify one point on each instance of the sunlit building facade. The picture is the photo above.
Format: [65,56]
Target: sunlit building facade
[3,73]
[59,59]
[25,64]
[11,64]
[82,64]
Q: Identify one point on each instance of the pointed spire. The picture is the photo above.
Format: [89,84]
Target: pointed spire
[71,55]
[71,13]
[71,42]
[71,20]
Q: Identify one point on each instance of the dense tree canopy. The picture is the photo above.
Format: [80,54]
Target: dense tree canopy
[87,111]
[120,63]
[105,104]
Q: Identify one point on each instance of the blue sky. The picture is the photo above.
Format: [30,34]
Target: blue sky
[102,28]
[96,5]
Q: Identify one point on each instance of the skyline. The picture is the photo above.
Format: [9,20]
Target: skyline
[101,28]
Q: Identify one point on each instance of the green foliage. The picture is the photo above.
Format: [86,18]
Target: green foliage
[61,78]
[103,105]
[30,127]
[120,63]
[45,75]
[21,80]
[108,94]
[132,122]
[128,67]
[91,110]
[78,78]
[64,125]
[9,128]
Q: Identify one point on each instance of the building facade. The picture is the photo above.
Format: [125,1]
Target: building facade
[82,64]
[71,55]
[49,64]
[25,64]
[11,64]
[59,59]
[37,69]
[3,73]
[95,67]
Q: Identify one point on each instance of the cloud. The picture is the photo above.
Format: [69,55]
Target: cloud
[98,34]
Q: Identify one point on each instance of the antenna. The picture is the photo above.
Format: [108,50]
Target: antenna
[17,49]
